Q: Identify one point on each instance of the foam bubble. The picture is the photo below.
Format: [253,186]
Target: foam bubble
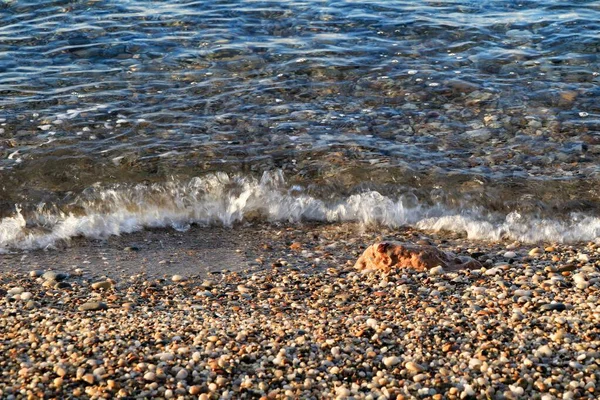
[225,200]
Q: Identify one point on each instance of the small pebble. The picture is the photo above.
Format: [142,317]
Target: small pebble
[544,351]
[439,270]
[181,375]
[104,285]
[92,306]
[553,307]
[391,361]
[54,276]
[150,376]
[413,367]
[510,254]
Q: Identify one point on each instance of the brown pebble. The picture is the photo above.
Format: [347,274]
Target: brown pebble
[296,246]
[102,285]
[567,268]
[112,384]
[89,378]
[568,95]
[446,347]
[195,390]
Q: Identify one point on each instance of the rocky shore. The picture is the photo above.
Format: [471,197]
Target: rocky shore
[300,322]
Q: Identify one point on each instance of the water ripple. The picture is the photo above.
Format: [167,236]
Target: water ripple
[423,91]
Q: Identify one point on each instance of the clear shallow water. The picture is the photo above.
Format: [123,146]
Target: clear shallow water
[480,109]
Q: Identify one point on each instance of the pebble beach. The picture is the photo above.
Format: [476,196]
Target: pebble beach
[296,320]
[187,188]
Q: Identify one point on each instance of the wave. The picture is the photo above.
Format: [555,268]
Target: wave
[229,199]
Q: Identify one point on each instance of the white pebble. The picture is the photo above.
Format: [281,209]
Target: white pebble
[342,392]
[510,254]
[544,351]
[493,271]
[518,390]
[468,391]
[26,296]
[436,270]
[335,351]
[523,293]
[372,323]
[478,290]
[413,367]
[579,278]
[15,290]
[390,361]
[568,395]
[150,376]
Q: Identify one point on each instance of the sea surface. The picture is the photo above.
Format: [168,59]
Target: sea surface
[481,117]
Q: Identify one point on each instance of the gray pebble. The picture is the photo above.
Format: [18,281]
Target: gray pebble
[92,306]
[54,276]
[104,285]
[62,285]
[553,306]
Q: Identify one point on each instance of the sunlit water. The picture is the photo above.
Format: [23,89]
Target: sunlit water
[472,116]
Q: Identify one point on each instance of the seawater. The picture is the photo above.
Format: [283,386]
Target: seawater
[472,116]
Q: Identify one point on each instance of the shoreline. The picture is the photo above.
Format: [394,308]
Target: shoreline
[295,320]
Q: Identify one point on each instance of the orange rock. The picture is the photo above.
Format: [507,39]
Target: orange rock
[387,255]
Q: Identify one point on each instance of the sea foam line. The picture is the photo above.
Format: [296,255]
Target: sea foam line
[225,200]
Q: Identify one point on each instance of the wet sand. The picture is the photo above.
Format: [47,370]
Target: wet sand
[205,250]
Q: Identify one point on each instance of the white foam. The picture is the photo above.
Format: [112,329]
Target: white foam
[225,200]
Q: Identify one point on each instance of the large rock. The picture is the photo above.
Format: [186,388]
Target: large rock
[387,255]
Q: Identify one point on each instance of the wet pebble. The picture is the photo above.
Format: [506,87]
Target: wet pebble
[102,285]
[54,276]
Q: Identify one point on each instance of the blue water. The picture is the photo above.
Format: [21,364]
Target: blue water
[459,105]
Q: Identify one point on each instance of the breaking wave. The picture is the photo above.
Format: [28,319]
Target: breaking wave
[229,199]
